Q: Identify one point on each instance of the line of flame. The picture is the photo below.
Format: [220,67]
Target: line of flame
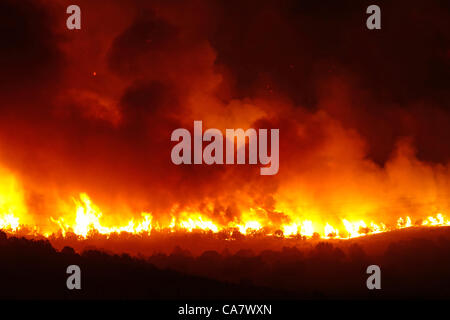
[88,220]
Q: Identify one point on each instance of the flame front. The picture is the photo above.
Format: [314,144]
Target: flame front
[79,215]
[87,219]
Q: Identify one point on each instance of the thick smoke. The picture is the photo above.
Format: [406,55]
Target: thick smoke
[363,115]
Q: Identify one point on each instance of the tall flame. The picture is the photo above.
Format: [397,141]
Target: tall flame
[84,218]
[88,218]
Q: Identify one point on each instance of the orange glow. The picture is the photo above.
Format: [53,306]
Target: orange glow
[87,218]
[12,203]
[9,222]
[85,134]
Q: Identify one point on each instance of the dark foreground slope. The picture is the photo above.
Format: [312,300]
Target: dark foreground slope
[35,270]
[414,264]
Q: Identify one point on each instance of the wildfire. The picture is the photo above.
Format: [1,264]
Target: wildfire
[9,222]
[88,218]
[12,204]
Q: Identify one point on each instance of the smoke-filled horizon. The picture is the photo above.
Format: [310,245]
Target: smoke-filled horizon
[363,115]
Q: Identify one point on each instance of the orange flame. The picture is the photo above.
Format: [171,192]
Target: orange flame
[88,218]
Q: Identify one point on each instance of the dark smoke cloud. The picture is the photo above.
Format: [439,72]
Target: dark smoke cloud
[340,94]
